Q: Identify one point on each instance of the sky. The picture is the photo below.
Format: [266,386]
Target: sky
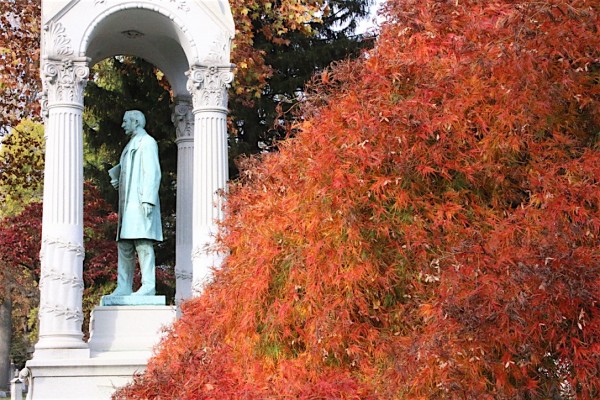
[372,21]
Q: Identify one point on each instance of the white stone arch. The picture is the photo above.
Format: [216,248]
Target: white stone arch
[203,30]
[123,6]
[172,68]
[190,41]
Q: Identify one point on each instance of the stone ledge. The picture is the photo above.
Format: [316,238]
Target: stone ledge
[81,379]
[133,301]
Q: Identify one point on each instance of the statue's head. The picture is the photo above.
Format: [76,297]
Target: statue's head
[137,116]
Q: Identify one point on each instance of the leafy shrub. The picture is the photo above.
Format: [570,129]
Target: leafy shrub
[432,232]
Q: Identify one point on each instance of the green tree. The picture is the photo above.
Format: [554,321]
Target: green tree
[21,177]
[293,59]
[21,167]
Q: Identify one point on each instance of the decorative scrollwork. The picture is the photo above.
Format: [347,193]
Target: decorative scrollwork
[198,253]
[208,85]
[64,81]
[54,275]
[183,275]
[198,288]
[69,246]
[183,119]
[56,42]
[218,50]
[44,111]
[182,5]
[25,375]
[60,311]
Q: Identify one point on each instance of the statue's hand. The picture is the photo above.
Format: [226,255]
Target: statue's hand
[147,208]
[115,183]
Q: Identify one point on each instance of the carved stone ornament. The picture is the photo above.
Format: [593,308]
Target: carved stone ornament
[198,287]
[44,103]
[25,376]
[65,279]
[218,50]
[183,119]
[182,5]
[61,244]
[208,85]
[64,81]
[183,275]
[60,311]
[56,42]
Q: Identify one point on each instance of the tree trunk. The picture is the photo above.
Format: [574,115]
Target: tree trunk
[5,342]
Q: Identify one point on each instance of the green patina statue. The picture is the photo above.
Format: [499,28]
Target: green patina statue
[137,177]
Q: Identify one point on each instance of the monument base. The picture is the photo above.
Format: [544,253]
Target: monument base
[81,379]
[121,342]
[116,329]
[133,300]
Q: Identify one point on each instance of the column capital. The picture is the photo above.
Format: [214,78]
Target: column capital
[63,81]
[208,86]
[183,119]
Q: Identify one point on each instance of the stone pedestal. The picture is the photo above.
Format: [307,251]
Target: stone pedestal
[118,329]
[121,342]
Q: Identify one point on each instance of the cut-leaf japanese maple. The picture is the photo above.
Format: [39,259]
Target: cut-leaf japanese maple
[432,232]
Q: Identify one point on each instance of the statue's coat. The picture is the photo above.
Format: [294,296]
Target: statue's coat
[139,180]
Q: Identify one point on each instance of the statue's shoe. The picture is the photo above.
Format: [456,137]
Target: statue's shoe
[145,291]
[121,292]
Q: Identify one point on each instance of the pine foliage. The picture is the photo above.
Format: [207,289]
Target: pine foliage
[432,232]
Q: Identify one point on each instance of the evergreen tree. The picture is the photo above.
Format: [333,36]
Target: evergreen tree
[294,58]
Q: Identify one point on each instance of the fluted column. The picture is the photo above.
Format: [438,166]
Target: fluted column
[208,86]
[183,119]
[62,252]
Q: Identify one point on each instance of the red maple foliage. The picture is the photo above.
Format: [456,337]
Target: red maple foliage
[20,243]
[433,231]
[20,239]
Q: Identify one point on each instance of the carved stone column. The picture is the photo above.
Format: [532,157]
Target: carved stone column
[62,253]
[208,86]
[183,119]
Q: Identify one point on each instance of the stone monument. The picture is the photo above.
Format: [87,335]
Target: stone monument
[189,41]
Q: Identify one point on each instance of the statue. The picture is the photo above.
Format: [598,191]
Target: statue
[137,178]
